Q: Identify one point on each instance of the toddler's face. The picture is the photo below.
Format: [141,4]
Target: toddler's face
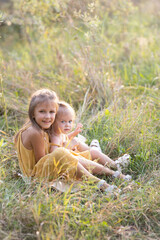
[65,122]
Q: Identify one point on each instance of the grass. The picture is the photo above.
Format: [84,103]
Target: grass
[103,58]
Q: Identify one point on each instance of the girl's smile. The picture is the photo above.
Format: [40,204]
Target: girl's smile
[44,114]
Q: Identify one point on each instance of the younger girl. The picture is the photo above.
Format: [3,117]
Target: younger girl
[32,143]
[61,137]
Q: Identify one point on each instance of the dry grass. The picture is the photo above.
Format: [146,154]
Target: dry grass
[105,61]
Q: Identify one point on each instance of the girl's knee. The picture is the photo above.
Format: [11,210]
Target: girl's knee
[61,150]
[63,155]
[94,152]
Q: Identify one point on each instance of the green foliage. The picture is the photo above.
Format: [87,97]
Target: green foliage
[103,57]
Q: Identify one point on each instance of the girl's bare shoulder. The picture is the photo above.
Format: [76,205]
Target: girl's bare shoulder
[29,136]
[31,132]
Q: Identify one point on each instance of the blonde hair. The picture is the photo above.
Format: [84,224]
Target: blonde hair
[39,96]
[63,107]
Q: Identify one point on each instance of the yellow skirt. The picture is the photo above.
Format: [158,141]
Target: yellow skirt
[61,162]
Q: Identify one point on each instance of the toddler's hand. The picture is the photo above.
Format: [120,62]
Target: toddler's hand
[79,128]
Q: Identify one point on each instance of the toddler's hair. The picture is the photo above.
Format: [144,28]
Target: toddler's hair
[40,96]
[64,107]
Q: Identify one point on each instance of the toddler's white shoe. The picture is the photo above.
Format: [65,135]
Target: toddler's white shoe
[126,178]
[111,189]
[123,161]
[116,174]
[95,144]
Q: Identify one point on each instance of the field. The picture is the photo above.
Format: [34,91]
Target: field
[103,57]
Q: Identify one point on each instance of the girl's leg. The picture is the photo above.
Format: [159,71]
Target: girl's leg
[102,158]
[96,168]
[82,172]
[95,154]
[67,161]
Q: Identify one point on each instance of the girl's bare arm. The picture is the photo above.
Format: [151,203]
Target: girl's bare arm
[38,144]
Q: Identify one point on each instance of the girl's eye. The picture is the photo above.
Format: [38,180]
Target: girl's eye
[52,111]
[41,111]
[62,121]
[70,121]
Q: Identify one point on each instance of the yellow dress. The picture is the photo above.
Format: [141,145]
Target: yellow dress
[53,165]
[65,143]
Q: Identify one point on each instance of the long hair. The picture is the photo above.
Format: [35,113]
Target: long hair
[39,96]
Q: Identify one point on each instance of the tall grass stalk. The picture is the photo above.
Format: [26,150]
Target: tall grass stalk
[4,106]
[103,58]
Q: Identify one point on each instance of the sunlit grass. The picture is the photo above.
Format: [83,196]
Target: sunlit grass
[105,61]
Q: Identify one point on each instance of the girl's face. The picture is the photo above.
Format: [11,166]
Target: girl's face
[44,114]
[64,122]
